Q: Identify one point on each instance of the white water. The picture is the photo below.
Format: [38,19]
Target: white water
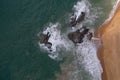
[57,39]
[91,13]
[85,53]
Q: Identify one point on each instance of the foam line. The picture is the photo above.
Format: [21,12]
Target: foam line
[112,12]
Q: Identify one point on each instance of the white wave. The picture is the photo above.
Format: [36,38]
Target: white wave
[57,39]
[86,55]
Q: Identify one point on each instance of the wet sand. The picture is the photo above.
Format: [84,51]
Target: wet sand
[109,50]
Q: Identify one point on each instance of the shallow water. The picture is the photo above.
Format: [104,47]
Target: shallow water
[21,21]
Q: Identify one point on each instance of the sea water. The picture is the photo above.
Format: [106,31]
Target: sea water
[21,57]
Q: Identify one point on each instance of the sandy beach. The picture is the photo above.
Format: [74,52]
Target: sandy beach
[109,50]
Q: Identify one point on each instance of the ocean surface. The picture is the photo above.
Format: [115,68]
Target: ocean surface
[21,56]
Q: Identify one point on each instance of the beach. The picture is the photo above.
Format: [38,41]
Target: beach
[109,51]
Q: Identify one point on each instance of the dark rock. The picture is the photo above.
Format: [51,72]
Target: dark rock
[78,35]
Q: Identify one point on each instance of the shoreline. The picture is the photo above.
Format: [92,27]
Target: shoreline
[108,52]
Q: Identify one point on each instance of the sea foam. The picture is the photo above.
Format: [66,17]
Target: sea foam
[57,39]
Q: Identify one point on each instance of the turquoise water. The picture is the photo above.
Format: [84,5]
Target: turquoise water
[20,21]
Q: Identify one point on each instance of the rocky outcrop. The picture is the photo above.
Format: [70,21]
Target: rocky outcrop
[78,35]
[75,37]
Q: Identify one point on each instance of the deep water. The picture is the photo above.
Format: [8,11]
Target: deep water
[20,21]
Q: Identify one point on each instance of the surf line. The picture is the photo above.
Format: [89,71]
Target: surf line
[112,13]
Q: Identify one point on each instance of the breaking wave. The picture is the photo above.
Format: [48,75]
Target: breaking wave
[84,53]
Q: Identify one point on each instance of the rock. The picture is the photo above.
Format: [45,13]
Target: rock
[75,37]
[44,38]
[78,35]
[89,36]
[81,17]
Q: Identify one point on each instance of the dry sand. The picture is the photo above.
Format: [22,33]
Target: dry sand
[109,51]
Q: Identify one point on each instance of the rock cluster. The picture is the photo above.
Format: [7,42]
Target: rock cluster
[76,36]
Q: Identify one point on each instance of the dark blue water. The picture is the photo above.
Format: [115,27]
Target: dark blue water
[20,21]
